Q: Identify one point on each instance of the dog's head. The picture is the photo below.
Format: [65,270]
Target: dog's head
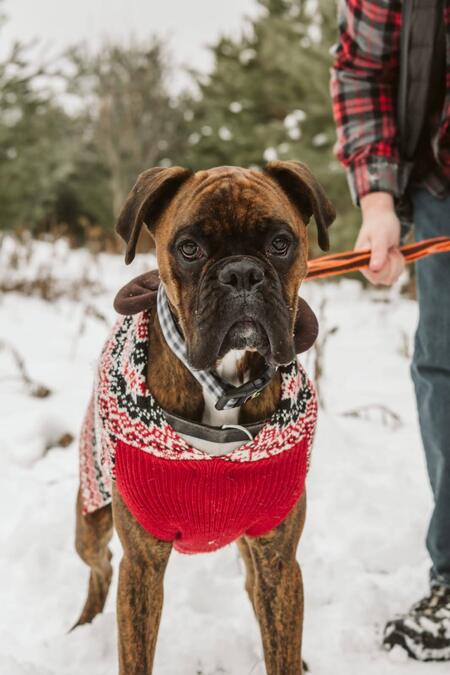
[231,246]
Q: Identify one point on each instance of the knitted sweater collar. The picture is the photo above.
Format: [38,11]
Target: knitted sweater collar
[129,412]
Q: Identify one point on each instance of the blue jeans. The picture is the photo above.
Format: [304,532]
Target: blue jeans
[431,373]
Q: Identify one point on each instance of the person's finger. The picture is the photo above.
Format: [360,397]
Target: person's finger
[391,271]
[397,254]
[400,264]
[397,265]
[378,256]
[365,241]
[376,278]
[379,277]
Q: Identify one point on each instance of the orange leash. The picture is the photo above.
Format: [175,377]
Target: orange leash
[351,261]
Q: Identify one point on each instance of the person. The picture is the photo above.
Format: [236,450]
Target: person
[390,86]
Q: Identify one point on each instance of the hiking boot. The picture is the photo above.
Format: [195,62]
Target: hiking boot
[424,631]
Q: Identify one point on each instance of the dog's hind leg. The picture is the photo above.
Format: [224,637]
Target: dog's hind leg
[140,592]
[278,593]
[93,534]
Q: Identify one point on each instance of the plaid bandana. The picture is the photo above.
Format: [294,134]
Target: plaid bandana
[209,380]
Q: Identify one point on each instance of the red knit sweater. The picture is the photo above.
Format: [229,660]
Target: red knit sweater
[201,506]
[177,492]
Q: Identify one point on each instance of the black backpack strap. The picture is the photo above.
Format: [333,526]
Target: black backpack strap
[417,47]
[402,86]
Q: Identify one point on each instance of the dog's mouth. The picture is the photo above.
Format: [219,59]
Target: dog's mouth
[265,330]
[247,334]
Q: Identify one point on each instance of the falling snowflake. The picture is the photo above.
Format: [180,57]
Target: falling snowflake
[235,107]
[319,140]
[270,154]
[225,134]
[247,55]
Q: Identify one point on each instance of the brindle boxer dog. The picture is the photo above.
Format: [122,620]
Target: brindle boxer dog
[258,221]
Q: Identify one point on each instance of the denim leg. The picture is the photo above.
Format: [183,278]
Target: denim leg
[431,373]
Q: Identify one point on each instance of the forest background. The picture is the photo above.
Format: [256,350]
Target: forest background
[76,130]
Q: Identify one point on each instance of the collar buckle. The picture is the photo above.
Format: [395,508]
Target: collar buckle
[239,395]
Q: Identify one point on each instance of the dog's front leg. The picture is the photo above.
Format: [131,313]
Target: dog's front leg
[278,593]
[140,591]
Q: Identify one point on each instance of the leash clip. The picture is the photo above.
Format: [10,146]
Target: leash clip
[234,397]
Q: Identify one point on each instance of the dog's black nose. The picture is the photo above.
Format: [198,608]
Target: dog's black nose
[241,275]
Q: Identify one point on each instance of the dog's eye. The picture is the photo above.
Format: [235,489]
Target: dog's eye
[280,245]
[190,250]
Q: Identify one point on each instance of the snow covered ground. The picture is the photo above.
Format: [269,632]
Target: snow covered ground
[362,553]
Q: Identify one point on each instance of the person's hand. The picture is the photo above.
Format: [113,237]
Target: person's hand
[380,233]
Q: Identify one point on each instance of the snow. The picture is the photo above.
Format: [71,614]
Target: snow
[225,134]
[270,154]
[292,123]
[362,553]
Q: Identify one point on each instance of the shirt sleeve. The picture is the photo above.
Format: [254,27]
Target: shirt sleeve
[363,81]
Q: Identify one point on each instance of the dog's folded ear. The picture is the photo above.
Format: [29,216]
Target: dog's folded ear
[140,294]
[306,193]
[306,327]
[148,198]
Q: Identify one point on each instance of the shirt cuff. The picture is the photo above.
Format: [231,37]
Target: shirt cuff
[373,174]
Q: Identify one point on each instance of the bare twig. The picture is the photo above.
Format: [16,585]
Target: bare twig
[46,281]
[35,389]
[389,418]
[88,310]
[404,348]
[62,442]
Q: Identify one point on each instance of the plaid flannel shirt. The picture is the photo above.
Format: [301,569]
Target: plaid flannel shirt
[364,95]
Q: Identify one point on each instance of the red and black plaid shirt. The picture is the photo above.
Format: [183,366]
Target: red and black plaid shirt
[364,96]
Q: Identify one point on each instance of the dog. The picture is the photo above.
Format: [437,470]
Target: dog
[231,246]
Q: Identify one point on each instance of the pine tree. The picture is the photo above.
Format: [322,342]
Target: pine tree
[130,119]
[44,177]
[268,97]
[33,143]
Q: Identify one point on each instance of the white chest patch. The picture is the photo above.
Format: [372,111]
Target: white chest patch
[227,368]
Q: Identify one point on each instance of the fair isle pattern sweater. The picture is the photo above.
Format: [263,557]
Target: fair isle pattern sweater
[177,492]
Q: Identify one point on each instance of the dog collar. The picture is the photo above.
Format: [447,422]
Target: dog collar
[227,395]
